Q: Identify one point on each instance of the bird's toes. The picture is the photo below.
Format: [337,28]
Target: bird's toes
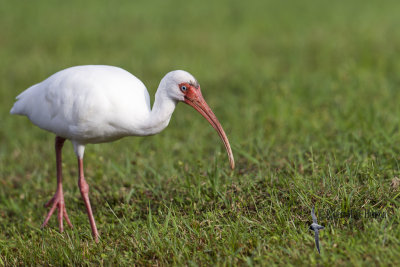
[57,203]
[53,208]
[67,218]
[48,203]
[60,217]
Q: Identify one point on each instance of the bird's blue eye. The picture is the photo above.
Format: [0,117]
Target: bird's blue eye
[183,88]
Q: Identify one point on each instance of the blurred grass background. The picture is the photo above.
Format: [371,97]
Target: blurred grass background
[307,92]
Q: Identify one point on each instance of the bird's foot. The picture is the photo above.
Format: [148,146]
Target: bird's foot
[57,201]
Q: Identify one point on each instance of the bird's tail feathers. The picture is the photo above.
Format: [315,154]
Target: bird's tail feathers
[19,107]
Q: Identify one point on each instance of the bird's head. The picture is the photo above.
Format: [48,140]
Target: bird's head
[182,86]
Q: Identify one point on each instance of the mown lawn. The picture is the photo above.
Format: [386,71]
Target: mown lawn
[307,92]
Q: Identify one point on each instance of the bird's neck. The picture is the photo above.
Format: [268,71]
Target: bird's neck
[161,113]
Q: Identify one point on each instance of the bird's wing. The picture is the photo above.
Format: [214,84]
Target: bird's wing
[317,240]
[314,218]
[86,102]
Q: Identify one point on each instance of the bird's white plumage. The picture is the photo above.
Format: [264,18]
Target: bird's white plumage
[89,104]
[96,103]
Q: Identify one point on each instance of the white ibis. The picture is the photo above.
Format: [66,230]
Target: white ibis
[96,104]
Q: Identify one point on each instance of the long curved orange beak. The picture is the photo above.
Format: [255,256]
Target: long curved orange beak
[194,98]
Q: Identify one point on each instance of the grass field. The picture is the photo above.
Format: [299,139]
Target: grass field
[307,92]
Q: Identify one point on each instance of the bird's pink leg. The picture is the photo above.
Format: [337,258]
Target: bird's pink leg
[84,188]
[57,201]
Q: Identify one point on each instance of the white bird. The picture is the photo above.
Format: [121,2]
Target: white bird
[95,104]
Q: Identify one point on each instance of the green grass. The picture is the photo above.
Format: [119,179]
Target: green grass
[307,92]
